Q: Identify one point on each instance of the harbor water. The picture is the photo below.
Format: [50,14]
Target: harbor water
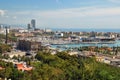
[77,45]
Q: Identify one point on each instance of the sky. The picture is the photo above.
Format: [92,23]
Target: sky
[62,13]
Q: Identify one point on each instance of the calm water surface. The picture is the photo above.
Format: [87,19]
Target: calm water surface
[85,44]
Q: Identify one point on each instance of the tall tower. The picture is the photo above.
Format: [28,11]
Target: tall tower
[0,26]
[29,26]
[33,24]
[6,40]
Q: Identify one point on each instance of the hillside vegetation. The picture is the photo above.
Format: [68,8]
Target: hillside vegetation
[62,66]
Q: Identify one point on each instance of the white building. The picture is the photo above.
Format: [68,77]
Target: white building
[3,30]
[48,30]
[22,30]
[59,34]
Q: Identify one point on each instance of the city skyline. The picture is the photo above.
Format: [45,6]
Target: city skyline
[62,13]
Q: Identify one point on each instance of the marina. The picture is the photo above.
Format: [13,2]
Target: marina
[77,45]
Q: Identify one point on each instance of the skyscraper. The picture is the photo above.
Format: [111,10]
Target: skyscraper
[33,24]
[29,26]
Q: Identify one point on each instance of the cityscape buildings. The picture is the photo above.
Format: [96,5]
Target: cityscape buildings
[31,26]
[3,29]
[72,40]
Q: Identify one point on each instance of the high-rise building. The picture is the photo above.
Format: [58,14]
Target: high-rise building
[1,26]
[33,23]
[29,26]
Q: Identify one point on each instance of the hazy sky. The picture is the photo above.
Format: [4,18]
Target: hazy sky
[62,13]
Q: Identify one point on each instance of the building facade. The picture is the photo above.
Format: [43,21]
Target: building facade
[33,23]
[27,45]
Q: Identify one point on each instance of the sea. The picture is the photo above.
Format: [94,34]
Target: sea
[85,30]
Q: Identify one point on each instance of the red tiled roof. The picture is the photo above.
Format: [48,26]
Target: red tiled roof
[22,67]
[19,65]
[1,68]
